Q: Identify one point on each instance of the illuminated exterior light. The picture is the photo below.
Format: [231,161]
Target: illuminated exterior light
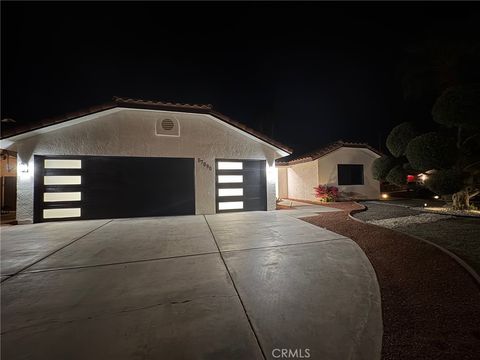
[423,177]
[384,196]
[425,205]
[23,167]
[436,197]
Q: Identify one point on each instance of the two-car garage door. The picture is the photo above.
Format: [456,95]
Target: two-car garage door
[100,187]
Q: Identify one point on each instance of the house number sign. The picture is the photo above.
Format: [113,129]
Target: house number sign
[204,163]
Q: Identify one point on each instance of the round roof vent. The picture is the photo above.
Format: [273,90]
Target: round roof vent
[167,124]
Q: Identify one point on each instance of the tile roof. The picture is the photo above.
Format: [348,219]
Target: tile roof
[119,102]
[313,155]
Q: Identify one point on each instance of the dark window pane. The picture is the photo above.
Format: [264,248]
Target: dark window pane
[350,174]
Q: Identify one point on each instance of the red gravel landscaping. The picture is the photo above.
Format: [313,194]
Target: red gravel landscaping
[430,304]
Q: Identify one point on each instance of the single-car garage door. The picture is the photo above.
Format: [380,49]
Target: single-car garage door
[100,187]
[241,185]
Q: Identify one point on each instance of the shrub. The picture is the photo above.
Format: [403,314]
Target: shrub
[382,166]
[445,182]
[431,151]
[399,138]
[326,193]
[397,176]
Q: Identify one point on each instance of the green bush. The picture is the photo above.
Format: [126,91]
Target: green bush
[397,176]
[399,138]
[445,182]
[382,166]
[431,151]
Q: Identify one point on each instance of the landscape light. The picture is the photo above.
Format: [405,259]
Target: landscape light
[384,196]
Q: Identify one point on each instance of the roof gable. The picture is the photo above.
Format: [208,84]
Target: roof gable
[119,103]
[316,154]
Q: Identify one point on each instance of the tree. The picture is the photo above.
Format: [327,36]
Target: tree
[450,155]
[399,138]
[397,176]
[431,151]
[382,166]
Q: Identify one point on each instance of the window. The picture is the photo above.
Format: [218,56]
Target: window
[62,164]
[61,213]
[230,205]
[350,174]
[225,179]
[62,196]
[230,165]
[230,192]
[62,180]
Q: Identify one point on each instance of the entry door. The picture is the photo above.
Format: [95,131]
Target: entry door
[240,185]
[102,187]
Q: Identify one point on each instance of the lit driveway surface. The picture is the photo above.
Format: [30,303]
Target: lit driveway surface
[159,288]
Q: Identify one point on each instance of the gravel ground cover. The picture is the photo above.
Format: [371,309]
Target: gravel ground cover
[460,235]
[446,211]
[408,220]
[430,304]
[380,211]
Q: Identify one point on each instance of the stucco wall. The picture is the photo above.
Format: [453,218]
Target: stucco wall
[302,178]
[327,172]
[282,182]
[130,132]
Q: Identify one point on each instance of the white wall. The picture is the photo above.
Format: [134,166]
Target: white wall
[302,178]
[130,132]
[282,182]
[327,172]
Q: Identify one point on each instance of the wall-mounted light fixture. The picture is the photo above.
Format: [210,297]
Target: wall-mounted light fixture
[23,167]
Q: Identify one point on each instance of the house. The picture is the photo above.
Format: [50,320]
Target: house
[132,158]
[341,164]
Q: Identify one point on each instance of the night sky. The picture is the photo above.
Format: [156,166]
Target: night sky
[306,74]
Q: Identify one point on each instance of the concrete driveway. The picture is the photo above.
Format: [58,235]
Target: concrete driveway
[227,286]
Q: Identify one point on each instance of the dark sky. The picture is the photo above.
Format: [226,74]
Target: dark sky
[313,72]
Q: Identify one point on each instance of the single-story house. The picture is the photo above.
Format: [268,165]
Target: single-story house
[342,164]
[132,158]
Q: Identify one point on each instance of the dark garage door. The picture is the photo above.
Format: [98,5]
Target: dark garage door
[240,185]
[100,187]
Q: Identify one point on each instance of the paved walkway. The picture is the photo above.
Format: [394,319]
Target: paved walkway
[229,286]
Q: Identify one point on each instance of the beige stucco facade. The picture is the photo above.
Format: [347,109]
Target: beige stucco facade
[302,178]
[297,181]
[131,132]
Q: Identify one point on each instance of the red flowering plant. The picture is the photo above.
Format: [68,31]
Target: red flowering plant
[326,193]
